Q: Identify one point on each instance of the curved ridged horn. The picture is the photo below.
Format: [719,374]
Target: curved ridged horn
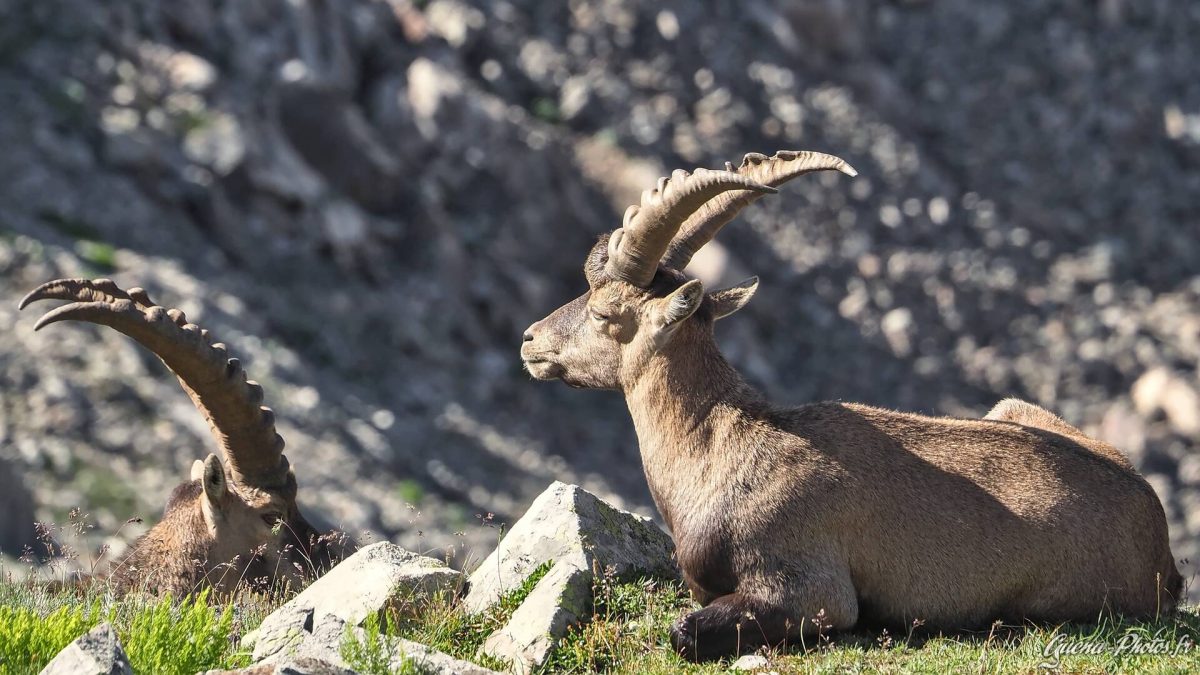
[216,383]
[636,247]
[704,223]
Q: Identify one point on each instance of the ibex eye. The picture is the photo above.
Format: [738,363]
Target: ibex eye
[272,519]
[598,316]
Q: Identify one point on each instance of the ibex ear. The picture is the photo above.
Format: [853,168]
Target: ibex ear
[682,303]
[212,477]
[729,300]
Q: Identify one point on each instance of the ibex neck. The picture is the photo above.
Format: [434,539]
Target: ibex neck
[689,408]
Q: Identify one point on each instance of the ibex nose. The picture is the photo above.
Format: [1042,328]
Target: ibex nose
[527,336]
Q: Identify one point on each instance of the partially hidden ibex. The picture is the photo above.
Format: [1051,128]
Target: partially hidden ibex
[837,513]
[229,523]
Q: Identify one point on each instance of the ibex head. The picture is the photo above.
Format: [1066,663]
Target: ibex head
[638,298]
[230,522]
[260,528]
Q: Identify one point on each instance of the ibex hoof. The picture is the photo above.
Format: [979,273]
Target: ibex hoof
[683,638]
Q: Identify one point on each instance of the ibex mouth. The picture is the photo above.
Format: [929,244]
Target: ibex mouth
[541,369]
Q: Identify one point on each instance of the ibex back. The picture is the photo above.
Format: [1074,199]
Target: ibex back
[229,523]
[837,513]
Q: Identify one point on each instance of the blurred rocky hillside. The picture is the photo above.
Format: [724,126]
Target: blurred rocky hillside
[369,200]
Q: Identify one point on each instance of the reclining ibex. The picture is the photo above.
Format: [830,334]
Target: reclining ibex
[227,524]
[836,512]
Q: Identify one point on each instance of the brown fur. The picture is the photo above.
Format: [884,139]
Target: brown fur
[233,522]
[224,545]
[849,512]
[1027,414]
[170,557]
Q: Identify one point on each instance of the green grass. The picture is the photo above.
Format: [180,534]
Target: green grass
[441,623]
[98,257]
[546,110]
[29,639]
[410,491]
[628,633]
[373,653]
[104,489]
[159,635]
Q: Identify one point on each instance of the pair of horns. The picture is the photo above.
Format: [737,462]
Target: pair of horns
[684,212]
[216,383]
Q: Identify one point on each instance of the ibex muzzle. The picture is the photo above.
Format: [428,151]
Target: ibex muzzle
[837,512]
[231,523]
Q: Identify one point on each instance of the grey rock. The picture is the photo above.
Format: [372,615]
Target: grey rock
[374,578]
[323,642]
[434,662]
[97,652]
[283,629]
[301,665]
[560,600]
[568,523]
[326,641]
[371,580]
[313,626]
[749,662]
[580,535]
[310,666]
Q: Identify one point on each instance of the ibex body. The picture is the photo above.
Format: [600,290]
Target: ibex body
[229,523]
[837,513]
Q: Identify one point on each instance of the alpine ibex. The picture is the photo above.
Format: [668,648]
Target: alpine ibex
[835,512]
[228,523]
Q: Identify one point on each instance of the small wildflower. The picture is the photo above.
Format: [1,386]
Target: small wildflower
[884,640]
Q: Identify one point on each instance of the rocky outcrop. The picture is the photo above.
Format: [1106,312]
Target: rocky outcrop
[308,632]
[303,665]
[577,536]
[567,537]
[374,579]
[324,644]
[97,652]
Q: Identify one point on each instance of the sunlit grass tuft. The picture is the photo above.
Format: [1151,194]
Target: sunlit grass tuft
[160,635]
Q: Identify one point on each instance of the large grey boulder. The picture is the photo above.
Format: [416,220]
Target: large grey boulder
[560,599]
[325,642]
[97,652]
[579,535]
[376,577]
[302,665]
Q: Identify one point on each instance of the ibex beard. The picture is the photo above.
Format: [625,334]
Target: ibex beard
[788,521]
[233,524]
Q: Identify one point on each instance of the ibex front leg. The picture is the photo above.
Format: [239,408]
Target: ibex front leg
[786,608]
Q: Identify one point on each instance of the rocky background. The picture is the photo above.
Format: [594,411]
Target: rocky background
[369,200]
